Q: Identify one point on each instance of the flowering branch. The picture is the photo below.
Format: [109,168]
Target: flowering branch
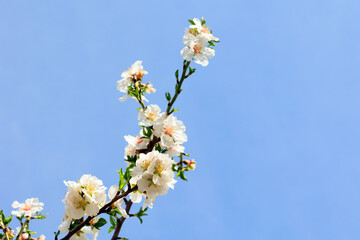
[150,157]
[104,209]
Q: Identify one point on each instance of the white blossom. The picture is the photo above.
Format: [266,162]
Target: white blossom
[28,209]
[134,144]
[171,133]
[142,164]
[202,29]
[85,197]
[136,196]
[196,48]
[175,150]
[135,72]
[196,40]
[148,116]
[153,174]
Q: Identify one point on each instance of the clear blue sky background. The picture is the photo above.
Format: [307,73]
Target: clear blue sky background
[273,121]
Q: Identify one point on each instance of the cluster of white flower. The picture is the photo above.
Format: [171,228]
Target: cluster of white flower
[27,209]
[198,40]
[84,197]
[154,176]
[131,79]
[172,135]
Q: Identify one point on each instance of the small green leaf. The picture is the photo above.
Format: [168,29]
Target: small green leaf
[203,22]
[168,96]
[111,228]
[101,222]
[177,74]
[158,148]
[31,232]
[141,213]
[191,70]
[40,216]
[57,233]
[191,21]
[2,216]
[141,221]
[181,174]
[122,182]
[112,221]
[127,175]
[8,220]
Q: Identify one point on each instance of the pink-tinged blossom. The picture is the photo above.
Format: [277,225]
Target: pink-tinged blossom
[27,209]
[198,41]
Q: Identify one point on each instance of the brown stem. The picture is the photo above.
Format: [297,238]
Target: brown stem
[150,146]
[105,208]
[121,221]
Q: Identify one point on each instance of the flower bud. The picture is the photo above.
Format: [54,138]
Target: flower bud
[10,233]
[190,164]
[42,237]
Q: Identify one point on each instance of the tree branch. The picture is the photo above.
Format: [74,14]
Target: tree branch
[121,221]
[178,87]
[105,208]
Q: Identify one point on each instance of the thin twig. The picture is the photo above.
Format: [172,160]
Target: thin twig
[105,208]
[178,87]
[121,221]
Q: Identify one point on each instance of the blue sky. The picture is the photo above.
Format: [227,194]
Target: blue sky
[273,121]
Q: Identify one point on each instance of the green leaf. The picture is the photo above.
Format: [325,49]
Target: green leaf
[141,213]
[127,175]
[101,222]
[177,74]
[141,221]
[111,228]
[181,174]
[122,181]
[113,221]
[131,159]
[57,233]
[158,148]
[191,70]
[191,21]
[203,22]
[40,216]
[2,216]
[8,220]
[31,232]
[147,130]
[168,96]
